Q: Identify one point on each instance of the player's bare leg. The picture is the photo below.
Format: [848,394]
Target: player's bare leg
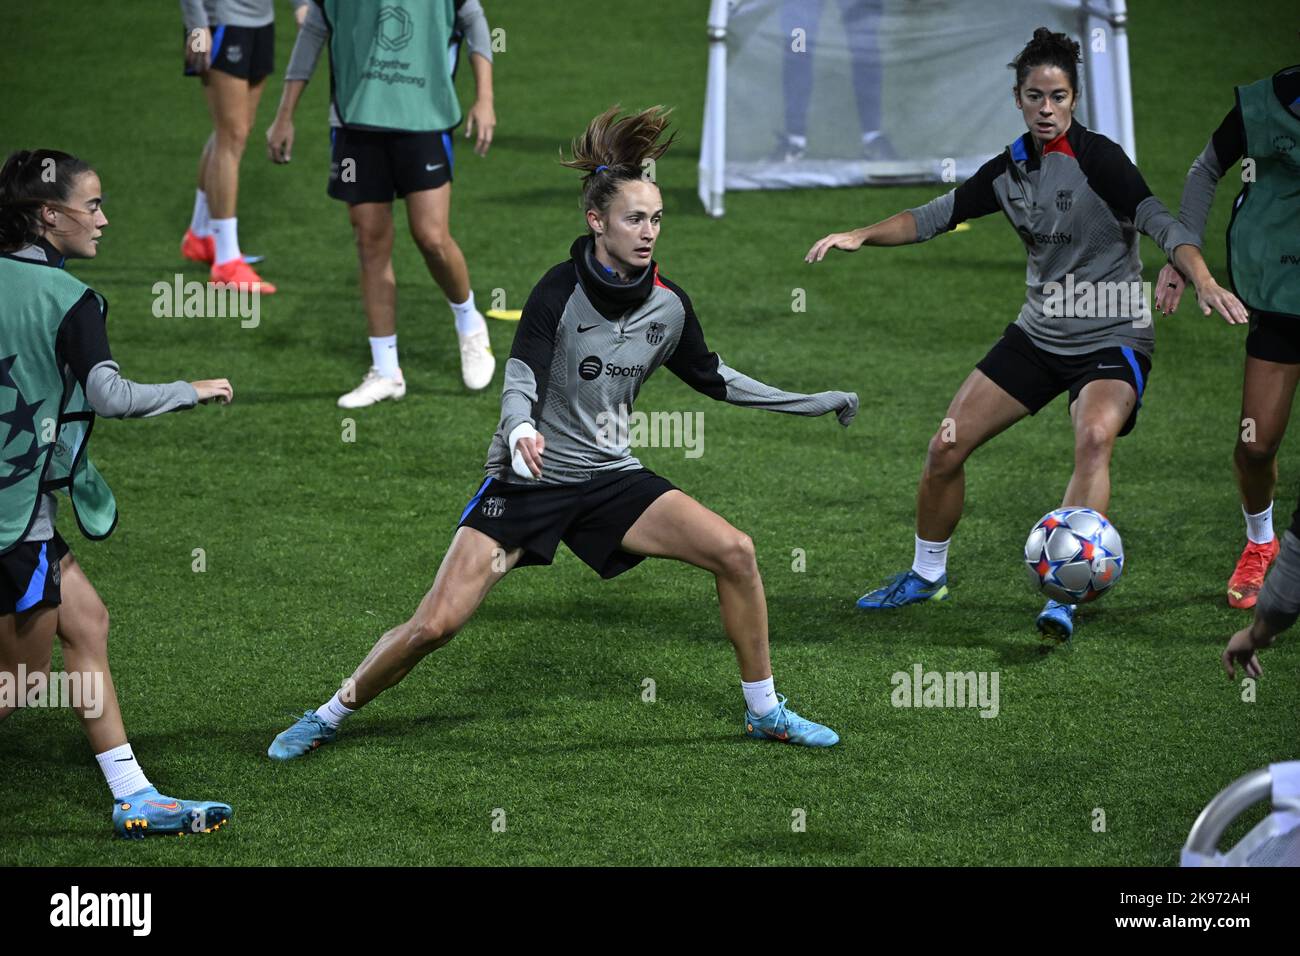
[372,227]
[1098,414]
[1266,396]
[232,102]
[979,410]
[83,636]
[26,640]
[471,567]
[429,212]
[679,527]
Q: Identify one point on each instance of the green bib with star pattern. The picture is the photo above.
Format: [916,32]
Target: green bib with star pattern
[45,420]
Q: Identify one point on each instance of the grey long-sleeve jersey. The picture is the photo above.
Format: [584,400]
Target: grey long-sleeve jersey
[471,23]
[585,345]
[1078,207]
[231,13]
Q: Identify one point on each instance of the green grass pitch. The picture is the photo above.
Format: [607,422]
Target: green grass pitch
[315,546]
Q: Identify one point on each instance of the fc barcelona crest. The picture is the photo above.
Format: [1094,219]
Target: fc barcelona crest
[655,334]
[1064,198]
[494,507]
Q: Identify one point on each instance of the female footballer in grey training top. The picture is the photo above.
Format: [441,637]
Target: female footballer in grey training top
[1078,203]
[593,330]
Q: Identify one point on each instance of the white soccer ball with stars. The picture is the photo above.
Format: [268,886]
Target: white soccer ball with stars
[1074,555]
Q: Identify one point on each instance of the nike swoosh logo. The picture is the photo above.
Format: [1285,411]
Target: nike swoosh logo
[430,169]
[1109,366]
[166,806]
[122,759]
[776,736]
[585,328]
[933,551]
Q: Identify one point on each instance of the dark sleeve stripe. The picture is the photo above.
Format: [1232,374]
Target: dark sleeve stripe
[691,360]
[1111,174]
[534,343]
[1229,139]
[976,196]
[82,339]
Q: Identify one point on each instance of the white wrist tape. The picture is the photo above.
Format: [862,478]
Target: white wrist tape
[517,463]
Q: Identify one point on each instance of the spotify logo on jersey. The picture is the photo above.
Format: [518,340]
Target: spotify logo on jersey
[590,368]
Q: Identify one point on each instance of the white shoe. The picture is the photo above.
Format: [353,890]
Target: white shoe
[374,388]
[477,363]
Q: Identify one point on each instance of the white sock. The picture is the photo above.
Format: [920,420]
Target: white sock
[226,232]
[334,713]
[121,771]
[467,317]
[383,354]
[200,225]
[871,136]
[797,140]
[1259,528]
[931,559]
[760,696]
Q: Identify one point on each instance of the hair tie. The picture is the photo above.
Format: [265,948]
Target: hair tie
[599,168]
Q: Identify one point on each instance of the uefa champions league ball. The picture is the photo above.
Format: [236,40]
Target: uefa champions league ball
[1074,555]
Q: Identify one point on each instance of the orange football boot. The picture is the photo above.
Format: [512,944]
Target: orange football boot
[239,273]
[199,248]
[1248,578]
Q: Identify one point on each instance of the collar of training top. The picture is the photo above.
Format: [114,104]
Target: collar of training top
[1023,151]
[612,297]
[40,251]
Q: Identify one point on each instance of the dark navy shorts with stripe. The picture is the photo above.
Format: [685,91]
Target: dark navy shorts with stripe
[1033,376]
[591,517]
[1274,338]
[375,165]
[245,52]
[29,574]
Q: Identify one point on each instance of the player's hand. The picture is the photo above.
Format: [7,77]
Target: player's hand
[198,50]
[214,390]
[279,140]
[530,450]
[1213,297]
[848,410]
[848,241]
[300,14]
[1169,292]
[483,118]
[1241,650]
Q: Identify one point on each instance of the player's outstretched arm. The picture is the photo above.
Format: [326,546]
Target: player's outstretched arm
[898,230]
[705,372]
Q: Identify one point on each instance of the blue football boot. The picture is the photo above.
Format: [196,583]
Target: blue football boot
[781,723]
[308,733]
[906,587]
[149,813]
[1056,622]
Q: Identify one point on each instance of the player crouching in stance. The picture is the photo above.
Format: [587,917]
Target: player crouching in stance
[593,330]
[56,370]
[1078,203]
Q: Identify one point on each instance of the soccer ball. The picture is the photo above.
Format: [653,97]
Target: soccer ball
[1074,555]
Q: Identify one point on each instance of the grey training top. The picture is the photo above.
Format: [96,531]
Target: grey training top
[471,23]
[585,345]
[1078,208]
[230,13]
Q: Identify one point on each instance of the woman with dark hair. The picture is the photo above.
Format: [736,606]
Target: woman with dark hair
[1078,203]
[1264,268]
[56,375]
[593,330]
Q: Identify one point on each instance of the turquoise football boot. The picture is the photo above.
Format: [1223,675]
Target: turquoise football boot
[307,734]
[1056,622]
[149,813]
[906,587]
[783,724]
